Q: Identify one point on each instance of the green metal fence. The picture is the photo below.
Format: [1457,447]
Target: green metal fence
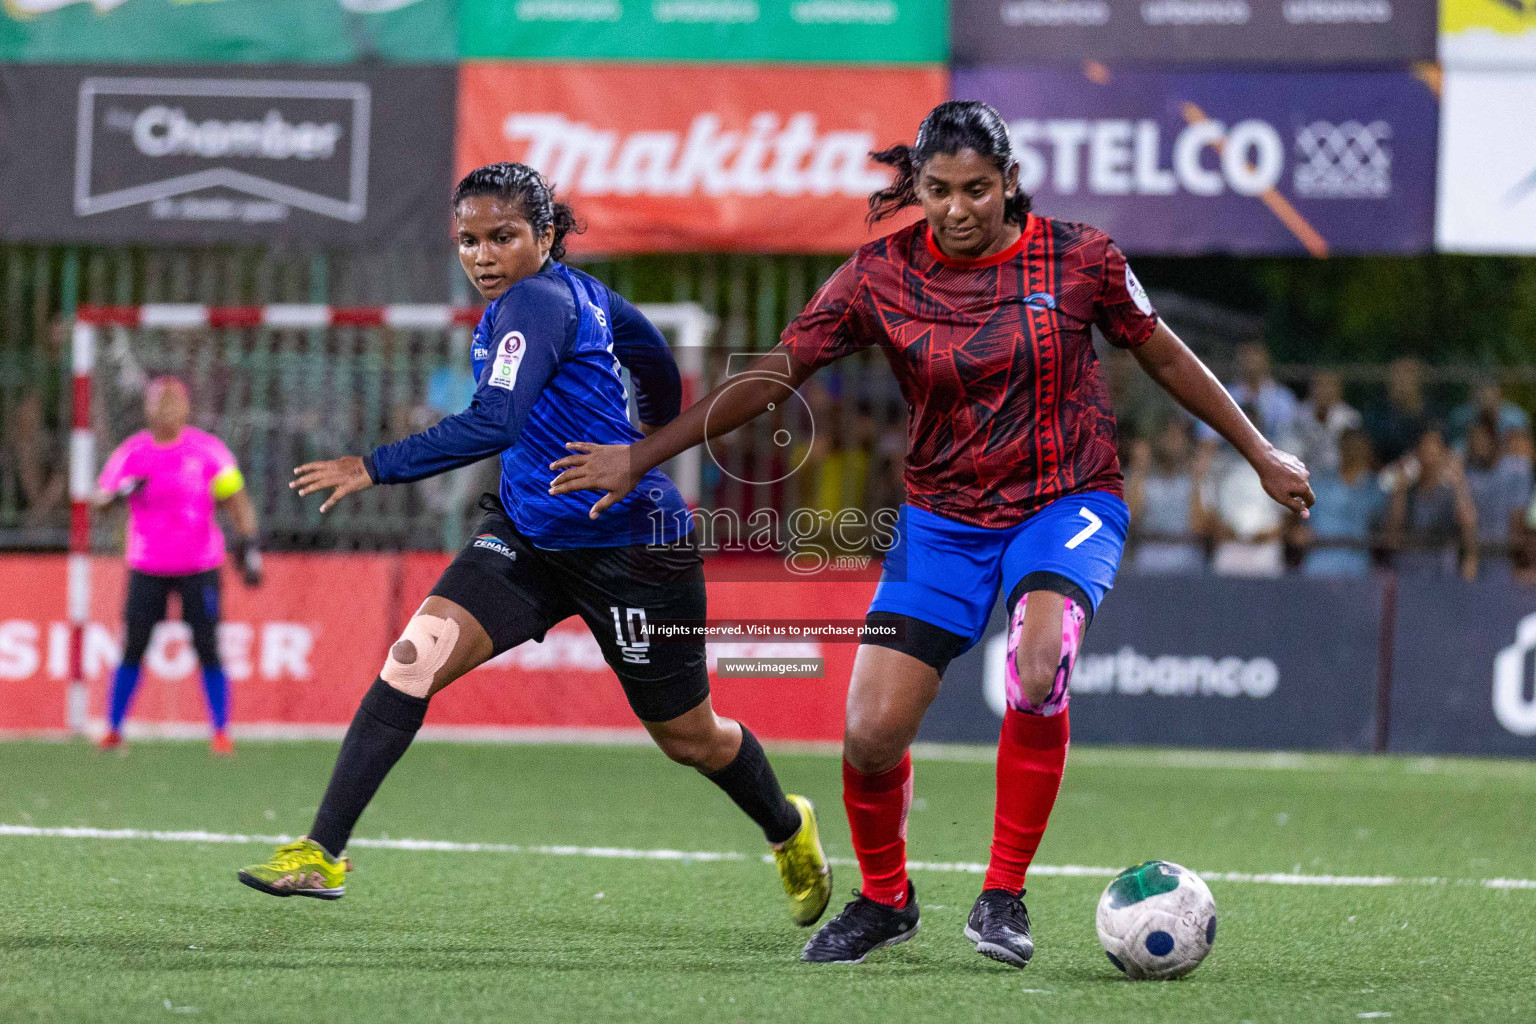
[282,396]
[279,397]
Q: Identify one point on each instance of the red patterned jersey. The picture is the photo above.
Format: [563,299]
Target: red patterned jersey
[1009,408]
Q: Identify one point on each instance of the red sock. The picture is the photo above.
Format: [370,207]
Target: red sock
[1031,753]
[877,815]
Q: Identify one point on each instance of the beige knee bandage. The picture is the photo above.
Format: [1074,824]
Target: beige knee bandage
[422,649]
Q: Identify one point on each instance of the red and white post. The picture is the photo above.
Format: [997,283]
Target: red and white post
[82,484]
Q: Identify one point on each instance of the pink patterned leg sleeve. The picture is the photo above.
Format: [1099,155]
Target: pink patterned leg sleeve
[1073,621]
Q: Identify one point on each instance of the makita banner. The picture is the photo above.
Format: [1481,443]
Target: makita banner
[866,31]
[1488,163]
[1241,162]
[227,31]
[1464,668]
[299,659]
[1200,661]
[691,158]
[319,156]
[1188,31]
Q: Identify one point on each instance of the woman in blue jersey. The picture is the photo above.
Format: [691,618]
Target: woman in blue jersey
[546,356]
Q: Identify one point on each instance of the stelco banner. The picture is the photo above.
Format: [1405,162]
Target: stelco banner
[309,155]
[1200,661]
[874,31]
[1488,34]
[685,158]
[1166,31]
[1242,162]
[249,31]
[1488,163]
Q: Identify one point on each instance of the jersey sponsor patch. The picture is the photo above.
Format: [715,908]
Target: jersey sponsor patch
[509,356]
[491,542]
[1137,292]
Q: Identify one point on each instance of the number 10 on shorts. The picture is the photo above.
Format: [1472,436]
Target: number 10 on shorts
[632,634]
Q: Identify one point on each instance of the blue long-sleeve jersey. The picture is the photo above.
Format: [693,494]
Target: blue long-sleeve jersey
[546,357]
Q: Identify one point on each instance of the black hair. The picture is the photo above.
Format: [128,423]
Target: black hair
[525,186]
[948,128]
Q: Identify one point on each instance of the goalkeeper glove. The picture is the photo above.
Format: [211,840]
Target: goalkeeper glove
[248,559]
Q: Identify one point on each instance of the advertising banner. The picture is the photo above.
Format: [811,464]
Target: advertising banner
[293,652]
[1177,31]
[1488,163]
[1243,162]
[297,657]
[872,31]
[1203,662]
[1488,34]
[227,31]
[312,155]
[689,158]
[1464,669]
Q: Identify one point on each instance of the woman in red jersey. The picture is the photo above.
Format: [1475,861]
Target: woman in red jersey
[983,311]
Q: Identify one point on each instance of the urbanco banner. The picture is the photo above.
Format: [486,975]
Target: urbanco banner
[1487,163]
[227,31]
[843,31]
[1464,668]
[1248,162]
[685,157]
[1314,32]
[1200,661]
[318,156]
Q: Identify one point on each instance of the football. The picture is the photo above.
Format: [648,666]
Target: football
[1156,921]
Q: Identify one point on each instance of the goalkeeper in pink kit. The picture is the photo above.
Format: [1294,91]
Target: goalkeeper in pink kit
[174,477]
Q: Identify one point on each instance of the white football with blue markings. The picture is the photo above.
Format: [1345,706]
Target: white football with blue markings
[1157,921]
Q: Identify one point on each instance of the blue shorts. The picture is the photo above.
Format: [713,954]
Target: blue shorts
[948,574]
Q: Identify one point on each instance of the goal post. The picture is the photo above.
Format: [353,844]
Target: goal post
[282,382]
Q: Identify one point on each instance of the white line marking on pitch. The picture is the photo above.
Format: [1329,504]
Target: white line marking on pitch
[711,856]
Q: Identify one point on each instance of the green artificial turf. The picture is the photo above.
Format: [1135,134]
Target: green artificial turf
[134,930]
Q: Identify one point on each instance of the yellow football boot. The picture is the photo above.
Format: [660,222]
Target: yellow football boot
[803,867]
[300,868]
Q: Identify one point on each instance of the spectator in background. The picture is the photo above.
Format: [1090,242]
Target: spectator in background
[1522,545]
[1349,505]
[1163,492]
[1247,524]
[1396,425]
[1322,421]
[1487,403]
[1499,484]
[1431,513]
[36,474]
[1270,404]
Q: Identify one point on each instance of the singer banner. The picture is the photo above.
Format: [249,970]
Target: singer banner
[299,658]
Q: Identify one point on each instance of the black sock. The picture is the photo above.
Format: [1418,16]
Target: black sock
[383,727]
[749,780]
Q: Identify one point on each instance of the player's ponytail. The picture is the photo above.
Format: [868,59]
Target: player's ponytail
[525,186]
[901,192]
[948,128]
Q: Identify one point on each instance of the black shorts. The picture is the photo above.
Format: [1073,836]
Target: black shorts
[517,592]
[146,606]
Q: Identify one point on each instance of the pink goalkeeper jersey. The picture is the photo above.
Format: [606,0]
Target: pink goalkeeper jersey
[171,525]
